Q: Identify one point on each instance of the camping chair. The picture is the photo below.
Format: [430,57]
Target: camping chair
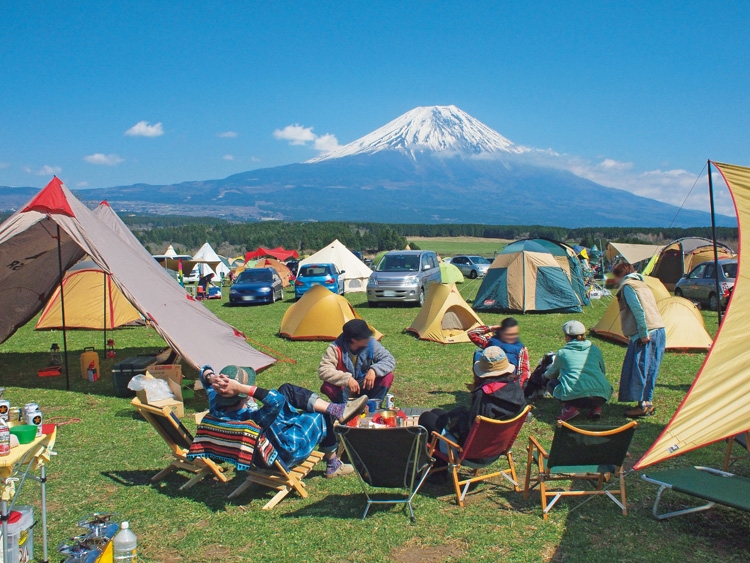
[487,438]
[179,439]
[743,439]
[591,453]
[717,487]
[392,458]
[281,478]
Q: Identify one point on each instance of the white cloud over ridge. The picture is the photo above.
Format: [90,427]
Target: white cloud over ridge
[45,170]
[228,157]
[228,134]
[104,159]
[145,129]
[300,135]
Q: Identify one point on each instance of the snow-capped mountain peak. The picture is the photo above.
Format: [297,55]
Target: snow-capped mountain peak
[440,129]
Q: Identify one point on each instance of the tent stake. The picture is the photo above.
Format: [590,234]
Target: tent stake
[716,248]
[62,308]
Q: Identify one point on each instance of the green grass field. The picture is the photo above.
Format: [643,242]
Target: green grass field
[451,246]
[107,457]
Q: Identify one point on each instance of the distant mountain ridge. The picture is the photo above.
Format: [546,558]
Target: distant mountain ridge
[434,164]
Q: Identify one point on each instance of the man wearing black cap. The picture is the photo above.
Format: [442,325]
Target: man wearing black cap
[356,364]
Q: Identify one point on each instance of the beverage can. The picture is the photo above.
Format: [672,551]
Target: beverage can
[389,401]
[35,418]
[4,439]
[4,409]
[373,405]
[30,407]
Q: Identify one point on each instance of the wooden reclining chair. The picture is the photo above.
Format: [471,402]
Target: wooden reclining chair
[487,439]
[281,478]
[591,454]
[179,440]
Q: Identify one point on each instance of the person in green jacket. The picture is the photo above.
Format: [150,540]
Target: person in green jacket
[577,377]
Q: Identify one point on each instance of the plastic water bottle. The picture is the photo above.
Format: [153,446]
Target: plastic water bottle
[125,545]
[4,438]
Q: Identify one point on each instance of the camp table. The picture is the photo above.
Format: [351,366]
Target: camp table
[22,460]
[717,487]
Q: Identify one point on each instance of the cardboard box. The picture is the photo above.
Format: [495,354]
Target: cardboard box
[171,371]
[175,404]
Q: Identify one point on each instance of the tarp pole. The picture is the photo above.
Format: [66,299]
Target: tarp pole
[62,308]
[104,322]
[716,248]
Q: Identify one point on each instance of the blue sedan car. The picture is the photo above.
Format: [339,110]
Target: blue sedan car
[327,275]
[256,285]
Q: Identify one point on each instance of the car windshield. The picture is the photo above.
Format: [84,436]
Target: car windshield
[399,263]
[730,270]
[254,276]
[479,260]
[313,271]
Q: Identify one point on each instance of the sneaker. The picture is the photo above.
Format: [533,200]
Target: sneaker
[339,470]
[640,411]
[353,408]
[568,413]
[595,413]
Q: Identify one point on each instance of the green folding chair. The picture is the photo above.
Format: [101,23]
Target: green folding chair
[717,487]
[391,458]
[590,454]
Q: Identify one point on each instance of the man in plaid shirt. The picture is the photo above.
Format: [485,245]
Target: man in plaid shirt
[294,419]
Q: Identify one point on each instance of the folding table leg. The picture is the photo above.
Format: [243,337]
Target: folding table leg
[43,482]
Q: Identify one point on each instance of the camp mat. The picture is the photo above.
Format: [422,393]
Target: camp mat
[721,488]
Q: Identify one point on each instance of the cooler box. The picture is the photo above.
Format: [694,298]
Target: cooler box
[126,370]
[20,536]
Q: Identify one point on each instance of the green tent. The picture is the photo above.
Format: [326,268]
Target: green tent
[450,274]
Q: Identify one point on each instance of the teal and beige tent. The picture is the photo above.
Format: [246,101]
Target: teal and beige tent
[534,275]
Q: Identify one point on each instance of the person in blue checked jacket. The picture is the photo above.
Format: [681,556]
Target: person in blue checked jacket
[294,419]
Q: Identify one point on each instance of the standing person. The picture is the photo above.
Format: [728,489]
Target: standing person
[355,365]
[577,376]
[643,325]
[508,338]
[294,419]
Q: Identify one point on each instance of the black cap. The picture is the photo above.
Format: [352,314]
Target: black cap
[357,329]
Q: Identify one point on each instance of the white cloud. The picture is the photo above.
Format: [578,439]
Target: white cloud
[254,159]
[82,185]
[228,157]
[145,129]
[300,135]
[4,164]
[228,134]
[45,170]
[104,159]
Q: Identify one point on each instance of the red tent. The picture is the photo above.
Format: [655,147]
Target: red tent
[279,253]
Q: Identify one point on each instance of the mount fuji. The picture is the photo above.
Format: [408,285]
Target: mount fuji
[432,164]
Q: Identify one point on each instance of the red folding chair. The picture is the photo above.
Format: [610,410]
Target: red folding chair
[487,439]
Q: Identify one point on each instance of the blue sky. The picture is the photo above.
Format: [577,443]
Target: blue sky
[624,91]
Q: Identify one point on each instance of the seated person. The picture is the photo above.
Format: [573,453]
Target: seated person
[577,377]
[294,434]
[508,338]
[495,394]
[355,365]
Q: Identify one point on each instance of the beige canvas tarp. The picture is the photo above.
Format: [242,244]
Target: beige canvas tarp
[29,249]
[632,253]
[717,405]
[356,273]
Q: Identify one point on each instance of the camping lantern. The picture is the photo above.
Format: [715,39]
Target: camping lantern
[110,349]
[55,357]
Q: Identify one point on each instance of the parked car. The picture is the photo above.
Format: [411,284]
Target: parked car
[472,267]
[293,266]
[403,275]
[327,275]
[700,284]
[256,285]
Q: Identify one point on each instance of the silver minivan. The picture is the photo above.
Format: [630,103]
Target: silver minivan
[403,275]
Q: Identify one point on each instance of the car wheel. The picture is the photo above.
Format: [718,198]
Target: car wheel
[677,292]
[473,275]
[713,302]
[421,297]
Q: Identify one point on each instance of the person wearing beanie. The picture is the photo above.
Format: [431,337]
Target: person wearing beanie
[577,377]
[294,419]
[356,365]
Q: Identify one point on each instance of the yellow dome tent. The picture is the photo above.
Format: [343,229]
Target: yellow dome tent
[445,317]
[684,322]
[319,315]
[85,298]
